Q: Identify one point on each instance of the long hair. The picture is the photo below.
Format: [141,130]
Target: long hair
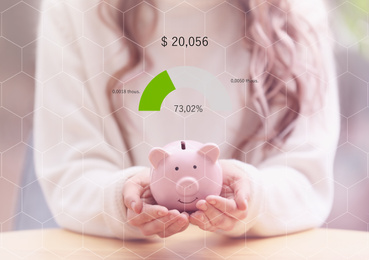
[284,58]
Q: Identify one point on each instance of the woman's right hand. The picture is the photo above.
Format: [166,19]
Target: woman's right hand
[145,214]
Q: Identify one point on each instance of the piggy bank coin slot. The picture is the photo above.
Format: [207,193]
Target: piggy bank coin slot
[183,145]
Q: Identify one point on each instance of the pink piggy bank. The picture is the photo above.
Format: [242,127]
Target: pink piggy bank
[184,172]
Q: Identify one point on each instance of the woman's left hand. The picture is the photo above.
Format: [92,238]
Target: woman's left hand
[224,211]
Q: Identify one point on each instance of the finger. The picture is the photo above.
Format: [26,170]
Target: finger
[166,226]
[210,211]
[222,204]
[132,196]
[239,184]
[148,213]
[228,206]
[188,222]
[217,218]
[241,193]
[187,218]
[158,225]
[199,219]
[179,224]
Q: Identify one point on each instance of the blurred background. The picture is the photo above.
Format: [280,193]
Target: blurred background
[22,206]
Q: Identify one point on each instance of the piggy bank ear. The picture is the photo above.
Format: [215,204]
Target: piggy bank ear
[156,155]
[211,151]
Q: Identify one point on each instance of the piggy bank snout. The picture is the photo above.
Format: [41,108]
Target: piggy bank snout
[187,186]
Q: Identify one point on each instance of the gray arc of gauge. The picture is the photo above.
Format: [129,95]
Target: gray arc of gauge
[213,90]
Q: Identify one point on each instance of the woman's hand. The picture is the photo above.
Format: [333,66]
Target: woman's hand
[224,211]
[142,211]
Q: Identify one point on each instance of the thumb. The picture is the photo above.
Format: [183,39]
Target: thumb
[241,194]
[132,196]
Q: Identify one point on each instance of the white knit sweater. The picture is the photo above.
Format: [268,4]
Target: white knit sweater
[82,158]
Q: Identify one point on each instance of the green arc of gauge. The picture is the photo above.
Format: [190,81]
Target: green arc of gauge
[185,77]
[155,92]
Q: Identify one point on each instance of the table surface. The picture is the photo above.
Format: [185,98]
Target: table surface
[191,244]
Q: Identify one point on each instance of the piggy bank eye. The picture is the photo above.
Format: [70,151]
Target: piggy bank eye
[177,168]
[195,167]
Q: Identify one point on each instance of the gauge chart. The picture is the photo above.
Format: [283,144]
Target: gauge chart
[169,80]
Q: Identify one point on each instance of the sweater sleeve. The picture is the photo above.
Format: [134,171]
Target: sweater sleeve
[79,151]
[292,190]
